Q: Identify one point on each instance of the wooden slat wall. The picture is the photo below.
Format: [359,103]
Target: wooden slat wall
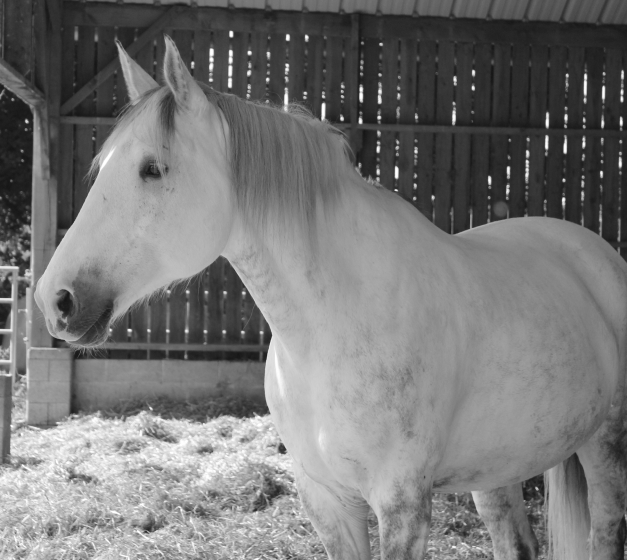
[448,74]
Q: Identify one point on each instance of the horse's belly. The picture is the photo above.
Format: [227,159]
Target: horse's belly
[534,420]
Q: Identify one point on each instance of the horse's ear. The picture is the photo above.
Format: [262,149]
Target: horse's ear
[187,92]
[138,81]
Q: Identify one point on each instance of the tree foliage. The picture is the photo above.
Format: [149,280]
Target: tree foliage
[16,141]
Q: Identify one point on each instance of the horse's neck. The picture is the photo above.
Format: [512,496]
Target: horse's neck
[358,259]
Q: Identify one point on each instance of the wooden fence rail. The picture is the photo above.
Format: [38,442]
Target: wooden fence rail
[469,121]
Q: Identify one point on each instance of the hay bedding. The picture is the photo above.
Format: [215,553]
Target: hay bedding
[171,480]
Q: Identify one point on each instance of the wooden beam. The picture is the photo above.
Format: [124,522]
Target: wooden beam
[332,24]
[54,14]
[16,83]
[500,130]
[181,346]
[106,14]
[495,31]
[71,119]
[166,18]
[425,128]
[43,220]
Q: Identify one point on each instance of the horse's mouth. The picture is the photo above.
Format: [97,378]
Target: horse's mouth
[98,333]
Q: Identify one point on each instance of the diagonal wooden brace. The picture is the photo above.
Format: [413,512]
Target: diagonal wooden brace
[11,79]
[165,19]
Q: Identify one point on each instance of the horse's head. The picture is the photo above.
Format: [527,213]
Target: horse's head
[159,210]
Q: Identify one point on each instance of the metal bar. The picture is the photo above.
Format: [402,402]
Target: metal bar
[6,300]
[6,379]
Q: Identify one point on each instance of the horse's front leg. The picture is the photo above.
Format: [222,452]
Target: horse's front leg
[340,521]
[503,512]
[403,508]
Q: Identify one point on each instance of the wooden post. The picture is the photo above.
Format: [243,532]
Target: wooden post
[6,394]
[45,149]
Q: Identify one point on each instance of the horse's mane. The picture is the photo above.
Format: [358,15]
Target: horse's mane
[284,162]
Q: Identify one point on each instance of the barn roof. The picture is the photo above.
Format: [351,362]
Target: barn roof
[612,12]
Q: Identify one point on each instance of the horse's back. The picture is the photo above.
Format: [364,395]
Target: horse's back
[557,247]
[545,357]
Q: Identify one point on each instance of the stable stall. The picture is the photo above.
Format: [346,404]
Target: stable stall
[472,110]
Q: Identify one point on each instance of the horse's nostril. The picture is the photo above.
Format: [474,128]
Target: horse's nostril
[65,304]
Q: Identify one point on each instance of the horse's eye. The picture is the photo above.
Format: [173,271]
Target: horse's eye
[152,170]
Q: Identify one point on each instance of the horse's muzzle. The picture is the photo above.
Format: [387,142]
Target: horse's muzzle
[80,319]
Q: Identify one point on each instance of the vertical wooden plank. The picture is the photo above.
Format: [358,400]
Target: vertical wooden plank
[66,134]
[177,318]
[106,51]
[407,115]
[426,115]
[370,106]
[240,64]
[196,301]
[537,117]
[146,56]
[499,143]
[444,141]
[252,320]
[461,142]
[592,165]
[315,46]
[623,177]
[296,76]
[259,62]
[202,43]
[84,146]
[233,309]
[276,93]
[351,79]
[389,101]
[178,295]
[220,74]
[104,92]
[184,43]
[574,147]
[139,318]
[213,282]
[611,146]
[518,117]
[481,142]
[157,313]
[333,78]
[555,154]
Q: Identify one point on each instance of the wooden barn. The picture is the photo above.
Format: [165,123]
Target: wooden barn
[472,110]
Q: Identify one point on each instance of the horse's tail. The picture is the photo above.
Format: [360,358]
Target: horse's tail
[568,517]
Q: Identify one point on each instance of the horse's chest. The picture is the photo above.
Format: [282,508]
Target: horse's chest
[343,424]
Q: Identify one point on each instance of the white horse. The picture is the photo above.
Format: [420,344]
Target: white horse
[403,360]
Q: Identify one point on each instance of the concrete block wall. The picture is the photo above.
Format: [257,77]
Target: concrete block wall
[101,384]
[49,382]
[58,384]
